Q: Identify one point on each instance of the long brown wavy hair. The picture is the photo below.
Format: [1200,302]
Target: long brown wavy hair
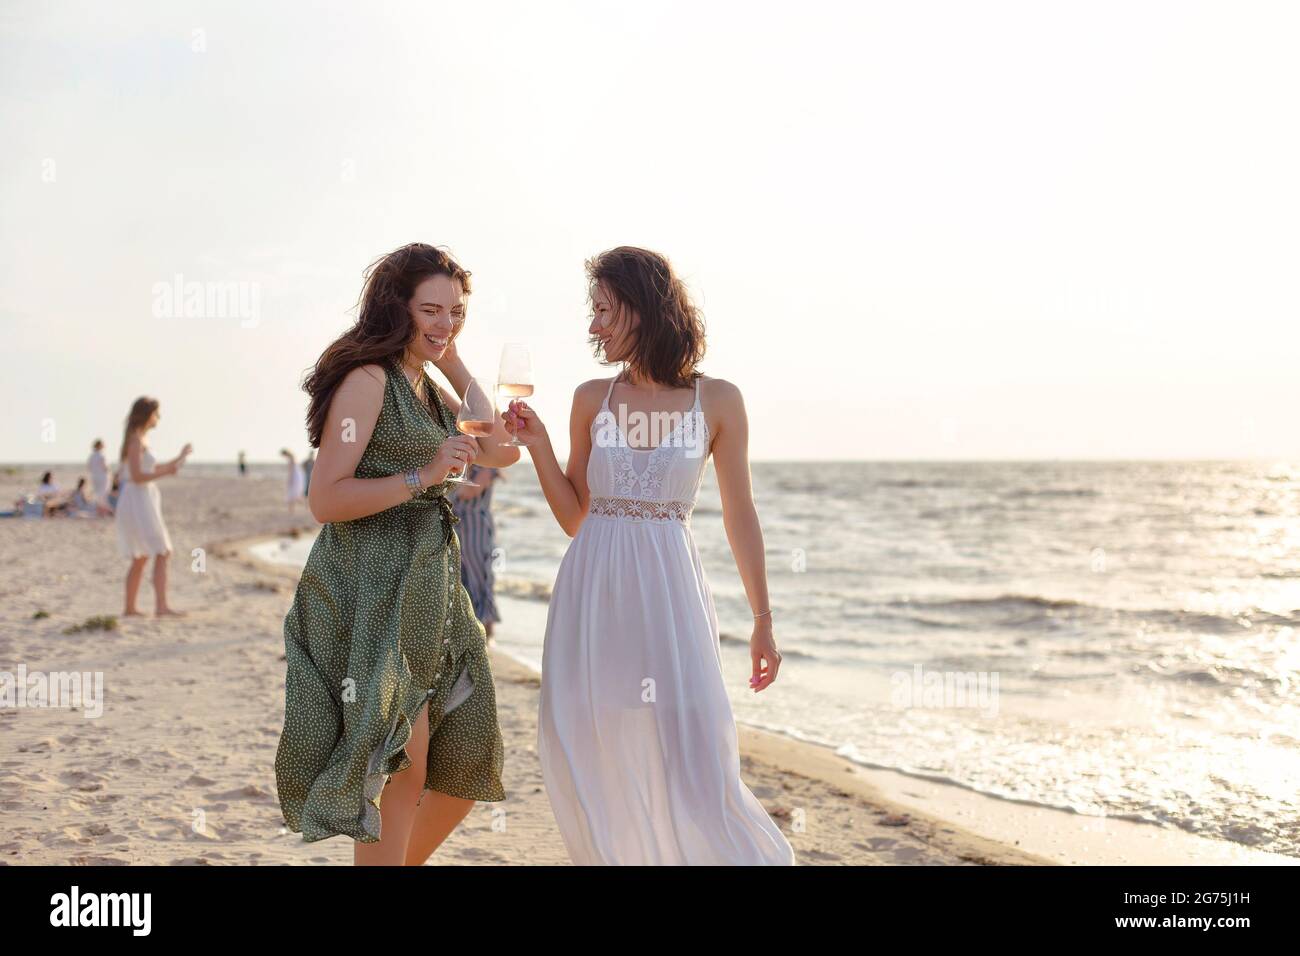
[141,410]
[384,325]
[668,343]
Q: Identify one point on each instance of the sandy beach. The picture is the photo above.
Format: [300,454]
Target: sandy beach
[178,768]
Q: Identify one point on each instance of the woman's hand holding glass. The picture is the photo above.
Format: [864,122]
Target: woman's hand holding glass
[522,422]
[457,453]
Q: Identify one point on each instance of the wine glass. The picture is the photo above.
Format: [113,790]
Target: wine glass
[477,418]
[515,377]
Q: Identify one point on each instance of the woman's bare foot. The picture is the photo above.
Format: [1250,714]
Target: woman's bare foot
[168,612]
[131,612]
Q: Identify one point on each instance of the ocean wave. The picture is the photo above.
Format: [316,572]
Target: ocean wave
[1024,610]
[727,638]
[1002,601]
[1211,623]
[1052,493]
[1215,675]
[919,619]
[914,483]
[971,508]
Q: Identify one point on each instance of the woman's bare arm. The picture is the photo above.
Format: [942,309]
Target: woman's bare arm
[565,489]
[740,519]
[135,464]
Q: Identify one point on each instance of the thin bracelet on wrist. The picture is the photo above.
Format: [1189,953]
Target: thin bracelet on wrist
[413,483]
[761,613]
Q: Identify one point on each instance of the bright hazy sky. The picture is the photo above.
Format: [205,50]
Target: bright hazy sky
[917,230]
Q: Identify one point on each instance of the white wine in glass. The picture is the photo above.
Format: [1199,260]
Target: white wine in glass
[515,377]
[477,418]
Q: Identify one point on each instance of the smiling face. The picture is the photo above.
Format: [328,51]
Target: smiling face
[437,313]
[613,326]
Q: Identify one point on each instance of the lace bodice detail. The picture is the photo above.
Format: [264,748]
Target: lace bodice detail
[667,474]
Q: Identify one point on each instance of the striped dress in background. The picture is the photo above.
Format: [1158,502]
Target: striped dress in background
[477,533]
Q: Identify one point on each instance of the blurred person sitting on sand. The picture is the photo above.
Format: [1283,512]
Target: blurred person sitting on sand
[62,504]
[51,497]
[77,504]
[141,533]
[48,489]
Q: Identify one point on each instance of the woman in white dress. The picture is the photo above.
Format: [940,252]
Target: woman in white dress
[141,533]
[98,469]
[636,735]
[296,487]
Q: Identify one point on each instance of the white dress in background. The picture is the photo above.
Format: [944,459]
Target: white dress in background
[297,486]
[636,736]
[140,529]
[98,469]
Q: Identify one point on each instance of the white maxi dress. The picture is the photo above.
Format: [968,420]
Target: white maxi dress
[636,735]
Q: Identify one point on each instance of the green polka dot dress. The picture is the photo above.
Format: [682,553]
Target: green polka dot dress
[380,624]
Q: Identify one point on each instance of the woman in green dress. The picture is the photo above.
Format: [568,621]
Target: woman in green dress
[390,725]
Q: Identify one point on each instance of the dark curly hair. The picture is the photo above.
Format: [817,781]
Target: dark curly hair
[668,343]
[383,327]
